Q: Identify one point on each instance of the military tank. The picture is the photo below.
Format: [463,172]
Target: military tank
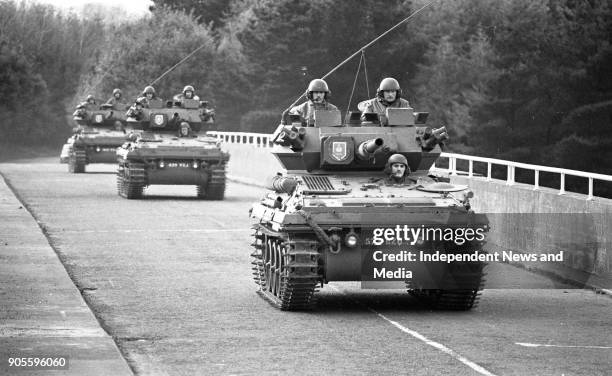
[169,146]
[336,215]
[99,132]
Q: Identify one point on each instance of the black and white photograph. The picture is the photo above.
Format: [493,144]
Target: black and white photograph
[306,187]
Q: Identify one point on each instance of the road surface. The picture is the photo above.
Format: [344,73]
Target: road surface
[169,278]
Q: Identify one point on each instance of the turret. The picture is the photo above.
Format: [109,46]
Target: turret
[357,145]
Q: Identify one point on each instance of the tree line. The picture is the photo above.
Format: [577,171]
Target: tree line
[523,80]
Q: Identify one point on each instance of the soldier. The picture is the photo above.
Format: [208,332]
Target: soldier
[397,170]
[389,94]
[151,100]
[207,114]
[81,111]
[117,100]
[90,103]
[318,94]
[136,110]
[184,130]
[188,93]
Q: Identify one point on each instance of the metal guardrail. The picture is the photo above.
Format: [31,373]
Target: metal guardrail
[245,138]
[265,141]
[511,170]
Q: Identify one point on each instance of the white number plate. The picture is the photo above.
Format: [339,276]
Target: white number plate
[178,164]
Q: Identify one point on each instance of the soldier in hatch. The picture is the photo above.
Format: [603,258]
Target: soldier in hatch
[389,95]
[397,170]
[151,100]
[117,100]
[136,110]
[318,94]
[188,93]
[88,105]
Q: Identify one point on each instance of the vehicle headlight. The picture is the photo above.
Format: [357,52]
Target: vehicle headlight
[162,164]
[351,240]
[98,149]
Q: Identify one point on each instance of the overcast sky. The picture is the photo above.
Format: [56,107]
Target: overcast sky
[133,7]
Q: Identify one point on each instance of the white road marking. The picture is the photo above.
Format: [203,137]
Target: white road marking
[155,230]
[563,346]
[428,341]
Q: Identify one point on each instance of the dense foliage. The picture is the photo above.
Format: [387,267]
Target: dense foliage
[42,57]
[514,79]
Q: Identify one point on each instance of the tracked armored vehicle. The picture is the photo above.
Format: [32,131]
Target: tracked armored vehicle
[169,146]
[98,134]
[337,216]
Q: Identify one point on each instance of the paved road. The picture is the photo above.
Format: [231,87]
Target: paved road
[169,278]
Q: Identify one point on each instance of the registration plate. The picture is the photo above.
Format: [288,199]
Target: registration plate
[178,164]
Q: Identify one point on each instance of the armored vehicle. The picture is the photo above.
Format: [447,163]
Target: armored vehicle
[337,215]
[98,134]
[169,146]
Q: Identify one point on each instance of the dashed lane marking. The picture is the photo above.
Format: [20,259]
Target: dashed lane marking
[524,344]
[481,370]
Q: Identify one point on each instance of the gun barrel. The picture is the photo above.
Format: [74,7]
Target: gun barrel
[369,147]
[282,184]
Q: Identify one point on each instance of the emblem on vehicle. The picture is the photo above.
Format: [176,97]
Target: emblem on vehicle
[339,150]
[158,119]
[98,118]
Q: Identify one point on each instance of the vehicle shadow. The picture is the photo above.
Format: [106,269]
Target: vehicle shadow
[360,300]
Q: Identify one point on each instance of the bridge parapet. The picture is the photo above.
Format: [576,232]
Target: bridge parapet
[511,171]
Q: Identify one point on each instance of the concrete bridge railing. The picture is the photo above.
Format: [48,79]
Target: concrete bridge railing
[525,217]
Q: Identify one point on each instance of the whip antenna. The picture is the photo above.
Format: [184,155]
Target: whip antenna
[368,45]
[179,63]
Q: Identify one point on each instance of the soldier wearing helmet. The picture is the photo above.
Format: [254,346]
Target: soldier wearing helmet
[151,100]
[83,108]
[188,93]
[81,111]
[136,110]
[318,94]
[90,103]
[117,100]
[389,94]
[397,169]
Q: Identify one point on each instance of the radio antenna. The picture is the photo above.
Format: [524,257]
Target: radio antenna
[368,45]
[179,63]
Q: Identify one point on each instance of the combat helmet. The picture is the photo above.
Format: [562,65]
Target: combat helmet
[188,88]
[317,85]
[389,84]
[149,89]
[90,97]
[117,91]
